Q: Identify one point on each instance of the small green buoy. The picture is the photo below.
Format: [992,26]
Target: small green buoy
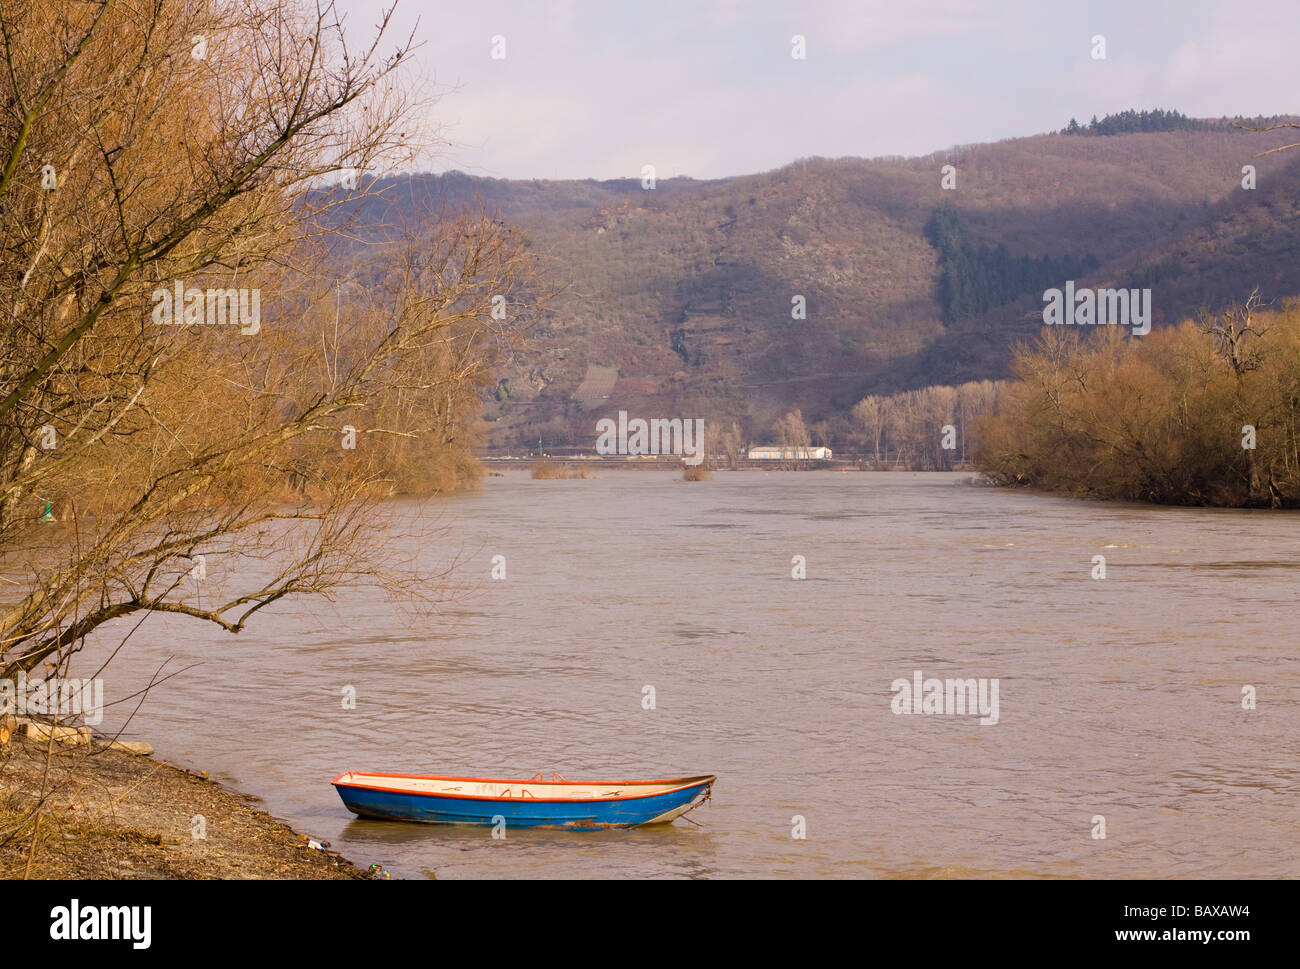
[49,515]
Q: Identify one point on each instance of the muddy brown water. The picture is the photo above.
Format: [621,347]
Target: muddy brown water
[1119,697]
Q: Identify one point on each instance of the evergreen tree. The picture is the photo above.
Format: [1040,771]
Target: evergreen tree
[973,280]
[1127,122]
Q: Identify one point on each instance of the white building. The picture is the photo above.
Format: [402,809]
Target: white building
[771,452]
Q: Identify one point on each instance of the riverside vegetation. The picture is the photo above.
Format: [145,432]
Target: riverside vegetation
[183,145]
[1203,413]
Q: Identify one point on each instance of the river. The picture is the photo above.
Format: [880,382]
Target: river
[1118,697]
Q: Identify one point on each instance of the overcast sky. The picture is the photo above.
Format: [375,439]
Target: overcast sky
[708,88]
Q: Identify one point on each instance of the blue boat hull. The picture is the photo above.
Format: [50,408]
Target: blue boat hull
[520,812]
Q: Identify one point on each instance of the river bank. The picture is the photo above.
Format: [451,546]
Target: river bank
[113,814]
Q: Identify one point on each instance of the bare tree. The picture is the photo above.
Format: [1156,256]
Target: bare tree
[156,147]
[1235,335]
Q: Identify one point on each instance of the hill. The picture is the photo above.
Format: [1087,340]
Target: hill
[678,300]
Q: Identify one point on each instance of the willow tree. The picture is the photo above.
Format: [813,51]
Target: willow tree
[1203,413]
[159,147]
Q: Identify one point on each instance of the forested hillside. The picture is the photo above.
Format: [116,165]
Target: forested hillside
[815,285]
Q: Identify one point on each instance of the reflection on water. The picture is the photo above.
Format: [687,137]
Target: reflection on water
[1119,697]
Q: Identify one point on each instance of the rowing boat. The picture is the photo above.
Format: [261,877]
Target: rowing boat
[534,803]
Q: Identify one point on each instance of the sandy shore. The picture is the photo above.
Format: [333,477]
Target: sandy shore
[112,814]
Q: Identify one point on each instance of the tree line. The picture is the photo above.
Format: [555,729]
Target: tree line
[1130,121]
[1203,413]
[1134,122]
[929,429]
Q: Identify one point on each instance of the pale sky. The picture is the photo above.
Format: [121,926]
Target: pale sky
[599,88]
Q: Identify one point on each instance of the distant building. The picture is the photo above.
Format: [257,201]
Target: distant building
[775,453]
